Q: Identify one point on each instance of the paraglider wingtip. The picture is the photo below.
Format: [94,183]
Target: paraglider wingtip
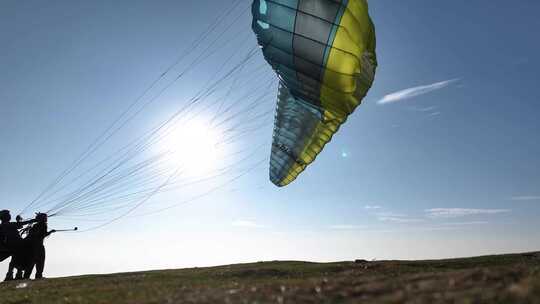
[278,184]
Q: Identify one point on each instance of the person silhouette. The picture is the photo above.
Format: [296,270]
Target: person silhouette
[11,239]
[36,235]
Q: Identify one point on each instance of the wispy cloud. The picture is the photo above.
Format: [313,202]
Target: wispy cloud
[392,214]
[424,109]
[415,91]
[346,227]
[460,212]
[526,198]
[420,228]
[465,223]
[400,220]
[247,224]
[397,218]
[372,207]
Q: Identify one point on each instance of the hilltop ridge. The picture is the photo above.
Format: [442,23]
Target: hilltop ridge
[513,278]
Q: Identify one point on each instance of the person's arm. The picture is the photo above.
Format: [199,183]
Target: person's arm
[50,232]
[23,223]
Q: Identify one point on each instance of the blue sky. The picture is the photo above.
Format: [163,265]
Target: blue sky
[440,160]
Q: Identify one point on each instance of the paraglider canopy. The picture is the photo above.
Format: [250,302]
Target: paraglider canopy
[324,55]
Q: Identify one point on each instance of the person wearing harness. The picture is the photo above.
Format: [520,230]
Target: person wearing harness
[36,235]
[11,239]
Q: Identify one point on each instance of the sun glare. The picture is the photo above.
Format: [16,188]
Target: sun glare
[194,147]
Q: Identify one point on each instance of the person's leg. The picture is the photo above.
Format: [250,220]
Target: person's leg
[40,262]
[9,274]
[15,262]
[19,274]
[28,265]
[28,272]
[20,259]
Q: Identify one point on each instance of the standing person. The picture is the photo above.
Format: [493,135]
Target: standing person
[36,235]
[12,240]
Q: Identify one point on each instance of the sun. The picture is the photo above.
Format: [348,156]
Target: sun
[193,146]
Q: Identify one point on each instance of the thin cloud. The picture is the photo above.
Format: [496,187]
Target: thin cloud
[247,224]
[391,214]
[372,207]
[397,218]
[416,91]
[402,230]
[465,223]
[460,212]
[346,227]
[424,109]
[526,198]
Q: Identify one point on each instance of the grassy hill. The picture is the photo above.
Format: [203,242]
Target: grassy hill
[491,279]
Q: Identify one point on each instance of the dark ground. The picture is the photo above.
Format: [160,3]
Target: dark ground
[491,279]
